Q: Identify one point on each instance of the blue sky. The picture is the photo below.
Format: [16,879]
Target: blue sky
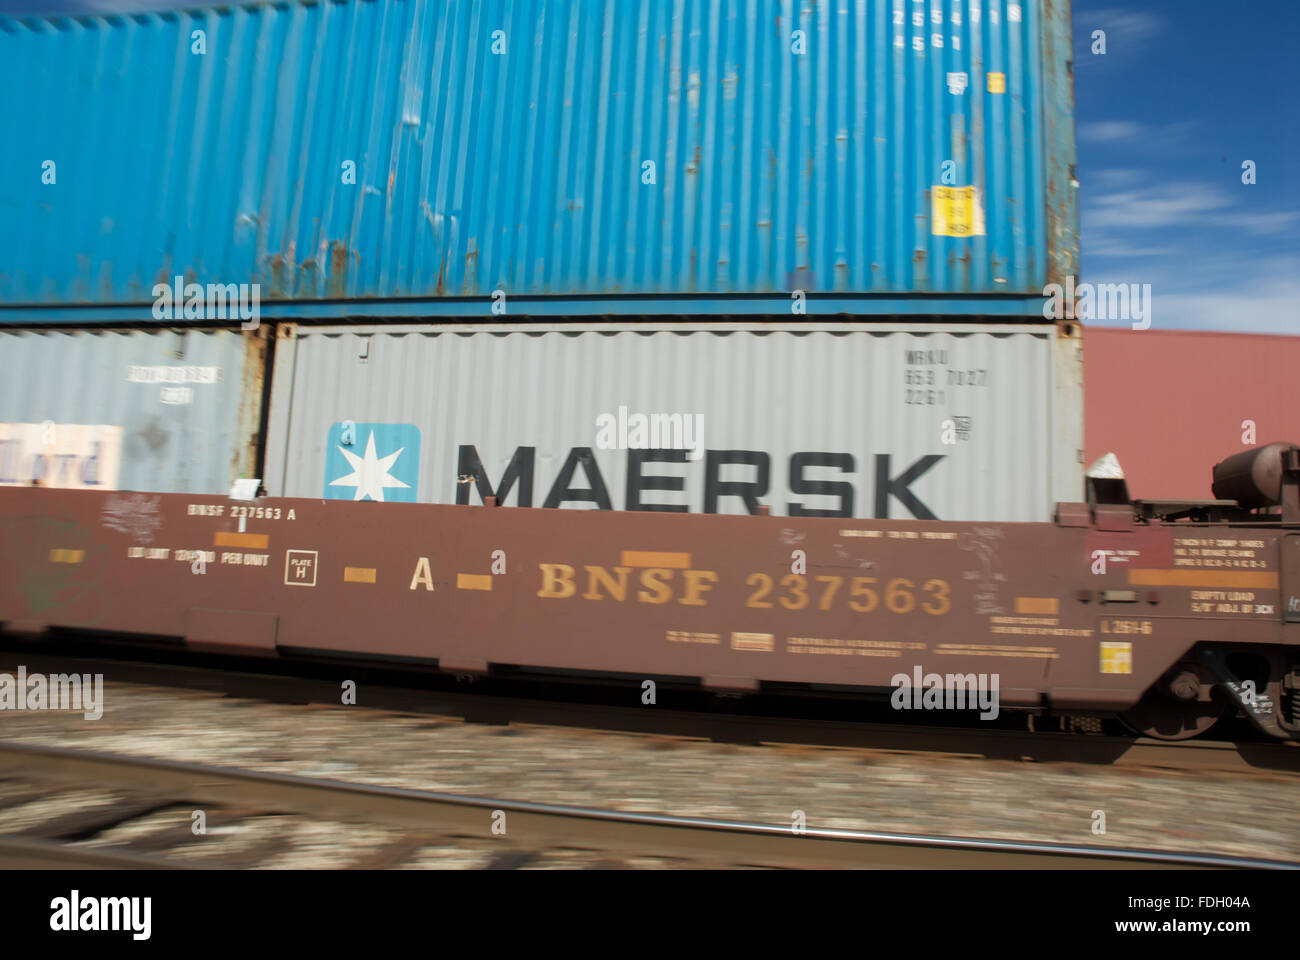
[1186,91]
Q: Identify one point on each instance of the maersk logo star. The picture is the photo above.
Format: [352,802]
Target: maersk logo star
[370,476]
[369,473]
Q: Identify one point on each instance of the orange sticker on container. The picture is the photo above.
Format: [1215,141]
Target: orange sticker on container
[253,541]
[1042,606]
[655,558]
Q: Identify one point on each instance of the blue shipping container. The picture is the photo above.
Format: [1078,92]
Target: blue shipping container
[411,157]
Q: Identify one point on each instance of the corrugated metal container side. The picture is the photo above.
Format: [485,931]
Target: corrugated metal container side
[1170,404]
[605,149]
[162,411]
[863,420]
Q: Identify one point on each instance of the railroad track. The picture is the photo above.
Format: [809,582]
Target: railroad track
[521,832]
[984,742]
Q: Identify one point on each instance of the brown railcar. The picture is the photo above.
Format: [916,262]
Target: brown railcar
[1167,614]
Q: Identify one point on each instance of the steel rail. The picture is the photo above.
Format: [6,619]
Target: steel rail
[696,840]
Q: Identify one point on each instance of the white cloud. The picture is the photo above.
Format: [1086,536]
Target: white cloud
[1113,222]
[1109,246]
[1161,206]
[1127,33]
[1113,178]
[1109,131]
[1260,223]
[1155,141]
[1272,309]
[1126,25]
[1230,291]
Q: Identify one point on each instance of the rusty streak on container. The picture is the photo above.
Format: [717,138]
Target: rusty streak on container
[253,391]
[1058,167]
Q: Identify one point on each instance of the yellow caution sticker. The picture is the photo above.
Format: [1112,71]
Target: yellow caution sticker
[997,82]
[956,212]
[1116,657]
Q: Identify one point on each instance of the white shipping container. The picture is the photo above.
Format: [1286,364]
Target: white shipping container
[153,410]
[958,422]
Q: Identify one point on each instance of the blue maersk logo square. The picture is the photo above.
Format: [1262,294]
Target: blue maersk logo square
[372,461]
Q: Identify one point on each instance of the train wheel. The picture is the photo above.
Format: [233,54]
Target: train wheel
[1185,703]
